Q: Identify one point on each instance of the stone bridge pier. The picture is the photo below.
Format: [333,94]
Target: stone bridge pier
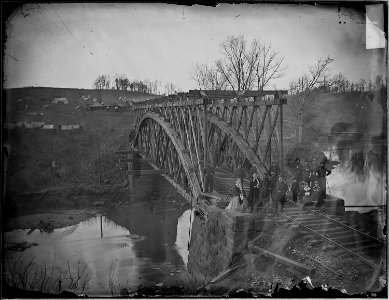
[217,239]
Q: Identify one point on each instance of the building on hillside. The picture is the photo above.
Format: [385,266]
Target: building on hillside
[37,124]
[70,128]
[58,100]
[48,127]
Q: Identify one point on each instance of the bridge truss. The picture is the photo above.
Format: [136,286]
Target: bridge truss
[185,133]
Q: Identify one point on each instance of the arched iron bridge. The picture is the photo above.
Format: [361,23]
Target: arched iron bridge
[233,132]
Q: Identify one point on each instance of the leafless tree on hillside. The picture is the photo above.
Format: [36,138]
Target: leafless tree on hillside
[102,82]
[152,86]
[170,89]
[121,82]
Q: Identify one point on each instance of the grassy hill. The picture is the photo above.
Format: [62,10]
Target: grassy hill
[80,157]
[20,102]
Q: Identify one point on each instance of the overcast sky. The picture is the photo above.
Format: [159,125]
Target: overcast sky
[68,45]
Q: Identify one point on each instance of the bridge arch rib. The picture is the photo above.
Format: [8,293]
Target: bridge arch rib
[226,143]
[157,139]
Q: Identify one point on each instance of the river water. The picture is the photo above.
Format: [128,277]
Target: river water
[360,194]
[142,243]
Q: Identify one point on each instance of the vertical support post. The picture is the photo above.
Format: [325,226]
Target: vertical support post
[281,140]
[205,139]
[270,133]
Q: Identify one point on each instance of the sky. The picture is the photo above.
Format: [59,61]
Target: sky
[70,44]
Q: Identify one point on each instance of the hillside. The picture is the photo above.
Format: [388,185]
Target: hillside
[21,102]
[81,158]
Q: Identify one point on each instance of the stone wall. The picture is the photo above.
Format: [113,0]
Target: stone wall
[218,238]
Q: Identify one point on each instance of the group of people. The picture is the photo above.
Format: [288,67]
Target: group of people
[308,186]
[309,182]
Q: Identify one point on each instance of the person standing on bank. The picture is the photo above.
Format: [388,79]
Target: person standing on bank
[298,170]
[295,188]
[322,174]
[317,194]
[272,184]
[254,194]
[265,189]
[280,194]
[306,173]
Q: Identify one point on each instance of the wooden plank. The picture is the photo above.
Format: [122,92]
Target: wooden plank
[226,273]
[282,259]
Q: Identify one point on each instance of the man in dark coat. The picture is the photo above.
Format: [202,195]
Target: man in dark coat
[313,171]
[322,173]
[298,170]
[295,188]
[254,193]
[280,194]
[316,194]
[265,190]
[272,183]
[306,173]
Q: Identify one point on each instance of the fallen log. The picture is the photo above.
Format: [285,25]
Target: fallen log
[282,259]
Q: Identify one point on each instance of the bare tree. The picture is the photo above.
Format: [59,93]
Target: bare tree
[379,83]
[121,82]
[269,66]
[306,88]
[170,88]
[238,63]
[361,85]
[244,66]
[208,77]
[102,82]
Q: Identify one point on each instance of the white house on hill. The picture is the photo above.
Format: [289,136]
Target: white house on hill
[58,100]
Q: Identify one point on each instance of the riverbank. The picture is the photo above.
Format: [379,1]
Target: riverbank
[50,220]
[62,205]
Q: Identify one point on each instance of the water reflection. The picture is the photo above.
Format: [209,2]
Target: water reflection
[127,247]
[183,234]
